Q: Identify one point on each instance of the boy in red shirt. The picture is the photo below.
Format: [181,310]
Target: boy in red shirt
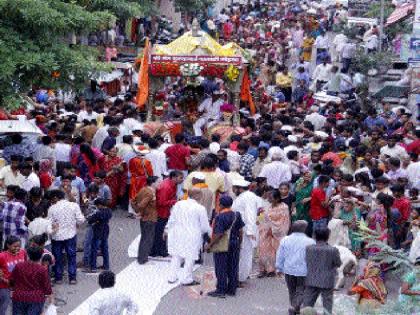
[319,211]
[31,284]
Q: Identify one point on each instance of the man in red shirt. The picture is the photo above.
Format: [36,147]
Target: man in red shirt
[178,154]
[31,284]
[166,197]
[319,211]
[400,220]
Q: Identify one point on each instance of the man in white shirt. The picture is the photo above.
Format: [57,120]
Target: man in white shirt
[276,172]
[321,44]
[247,204]
[45,151]
[67,216]
[187,224]
[393,149]
[210,109]
[315,118]
[347,54]
[87,114]
[157,158]
[10,174]
[339,41]
[322,74]
[126,146]
[413,171]
[108,300]
[62,153]
[30,178]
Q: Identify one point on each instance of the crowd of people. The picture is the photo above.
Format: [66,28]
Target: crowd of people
[294,174]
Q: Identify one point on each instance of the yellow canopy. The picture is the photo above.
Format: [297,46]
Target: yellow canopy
[200,45]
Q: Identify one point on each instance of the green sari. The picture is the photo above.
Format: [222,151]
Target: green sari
[302,192]
[351,217]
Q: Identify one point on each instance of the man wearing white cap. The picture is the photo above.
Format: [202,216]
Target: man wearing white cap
[247,204]
[210,112]
[187,224]
[276,171]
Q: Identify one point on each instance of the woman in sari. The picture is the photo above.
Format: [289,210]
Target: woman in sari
[370,288]
[87,164]
[140,169]
[303,191]
[350,216]
[274,226]
[116,174]
[377,218]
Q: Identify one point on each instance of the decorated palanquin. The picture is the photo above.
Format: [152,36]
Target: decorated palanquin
[193,56]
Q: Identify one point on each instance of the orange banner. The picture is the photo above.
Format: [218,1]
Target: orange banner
[143,85]
[246,93]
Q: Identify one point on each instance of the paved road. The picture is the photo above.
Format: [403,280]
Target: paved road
[260,297]
[122,232]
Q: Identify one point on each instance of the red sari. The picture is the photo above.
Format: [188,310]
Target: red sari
[115,180]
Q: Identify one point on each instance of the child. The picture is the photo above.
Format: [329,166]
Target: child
[47,258]
[100,228]
[90,208]
[42,226]
[104,190]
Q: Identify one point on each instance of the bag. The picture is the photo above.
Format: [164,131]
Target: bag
[51,310]
[222,246]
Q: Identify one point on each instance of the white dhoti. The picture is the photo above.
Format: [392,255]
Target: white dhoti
[245,258]
[184,275]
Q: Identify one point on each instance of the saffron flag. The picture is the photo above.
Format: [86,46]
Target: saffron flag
[246,92]
[143,83]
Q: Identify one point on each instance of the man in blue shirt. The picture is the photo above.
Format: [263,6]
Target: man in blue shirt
[291,260]
[373,120]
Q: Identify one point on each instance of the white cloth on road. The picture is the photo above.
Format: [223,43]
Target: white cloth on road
[145,284]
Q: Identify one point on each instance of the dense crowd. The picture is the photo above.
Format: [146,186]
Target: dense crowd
[293,171]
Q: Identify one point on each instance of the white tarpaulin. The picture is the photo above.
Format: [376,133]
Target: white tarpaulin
[146,284]
[19,126]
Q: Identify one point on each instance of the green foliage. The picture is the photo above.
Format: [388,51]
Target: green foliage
[375,10]
[380,61]
[193,6]
[395,258]
[32,44]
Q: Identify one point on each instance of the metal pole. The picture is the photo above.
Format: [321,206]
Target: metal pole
[381,26]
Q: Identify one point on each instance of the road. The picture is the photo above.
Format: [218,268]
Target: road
[260,297]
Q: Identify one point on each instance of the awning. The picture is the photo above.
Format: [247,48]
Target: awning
[400,13]
[19,126]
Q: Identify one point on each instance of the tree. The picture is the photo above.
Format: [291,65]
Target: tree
[33,50]
[192,6]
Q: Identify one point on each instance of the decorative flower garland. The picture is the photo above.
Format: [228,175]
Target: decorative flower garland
[232,73]
[191,69]
[165,69]
[213,71]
